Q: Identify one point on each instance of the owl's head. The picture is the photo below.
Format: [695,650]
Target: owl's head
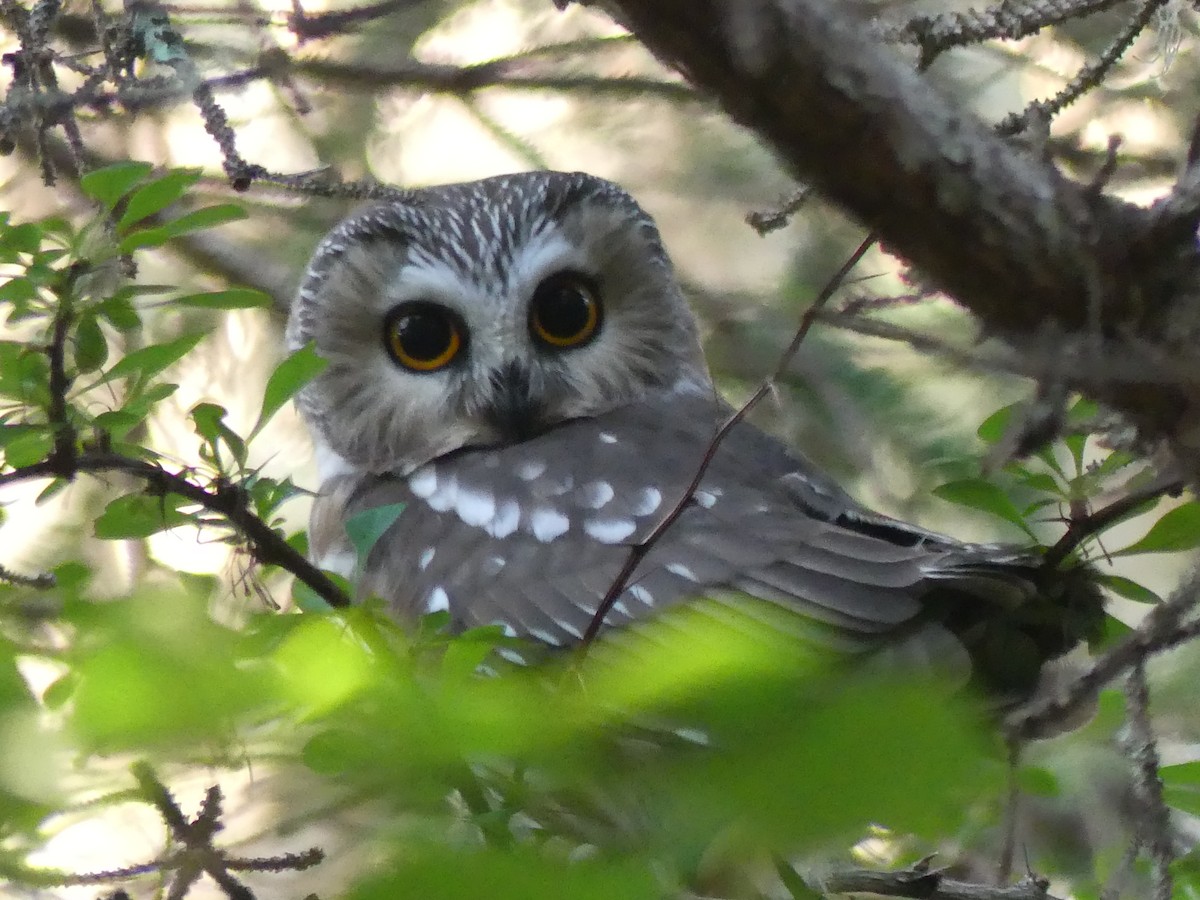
[482,314]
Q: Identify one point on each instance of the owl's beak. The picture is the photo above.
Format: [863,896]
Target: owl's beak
[513,410]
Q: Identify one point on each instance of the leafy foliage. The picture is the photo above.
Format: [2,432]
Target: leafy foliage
[690,756]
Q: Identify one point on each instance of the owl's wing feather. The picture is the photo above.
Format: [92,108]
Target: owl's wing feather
[532,535]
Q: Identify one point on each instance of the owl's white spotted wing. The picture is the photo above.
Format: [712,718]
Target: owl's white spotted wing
[532,535]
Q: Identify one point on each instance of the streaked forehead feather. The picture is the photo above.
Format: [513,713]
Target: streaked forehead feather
[475,226]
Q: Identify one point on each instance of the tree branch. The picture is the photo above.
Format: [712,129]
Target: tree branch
[1028,251]
[266,544]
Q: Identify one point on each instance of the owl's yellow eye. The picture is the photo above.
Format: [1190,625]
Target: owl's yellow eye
[423,336]
[565,310]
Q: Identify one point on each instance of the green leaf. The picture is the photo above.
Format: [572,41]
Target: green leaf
[110,184]
[992,429]
[18,290]
[139,516]
[1129,589]
[235,298]
[1112,631]
[149,361]
[1177,530]
[26,238]
[118,310]
[1040,481]
[289,376]
[1182,786]
[205,217]
[208,217]
[91,347]
[443,874]
[984,496]
[117,422]
[209,422]
[1077,444]
[365,528]
[1038,781]
[28,448]
[156,196]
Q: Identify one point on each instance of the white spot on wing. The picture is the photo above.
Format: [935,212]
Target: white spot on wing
[545,637]
[639,593]
[548,524]
[620,608]
[512,656]
[608,437]
[474,507]
[505,522]
[426,558]
[423,482]
[443,498]
[647,502]
[530,469]
[437,600]
[509,631]
[705,498]
[609,531]
[596,493]
[682,571]
[560,487]
[568,628]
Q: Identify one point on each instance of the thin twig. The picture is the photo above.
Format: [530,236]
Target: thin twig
[1153,819]
[927,885]
[1164,627]
[638,551]
[1083,527]
[1087,77]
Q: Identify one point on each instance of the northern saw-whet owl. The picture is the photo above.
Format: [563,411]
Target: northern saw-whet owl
[513,359]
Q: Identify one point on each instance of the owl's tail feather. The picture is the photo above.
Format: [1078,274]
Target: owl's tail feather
[1014,614]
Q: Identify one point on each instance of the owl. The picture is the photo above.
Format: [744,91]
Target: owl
[514,361]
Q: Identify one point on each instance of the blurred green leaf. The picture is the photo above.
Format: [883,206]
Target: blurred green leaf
[1181,786]
[28,448]
[17,290]
[119,311]
[139,516]
[25,238]
[1178,529]
[209,422]
[156,671]
[437,873]
[1038,781]
[984,496]
[1129,589]
[234,298]
[149,361]
[206,217]
[111,183]
[366,528]
[322,663]
[992,429]
[289,377]
[156,195]
[91,347]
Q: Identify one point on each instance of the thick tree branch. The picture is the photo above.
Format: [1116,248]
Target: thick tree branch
[1028,251]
